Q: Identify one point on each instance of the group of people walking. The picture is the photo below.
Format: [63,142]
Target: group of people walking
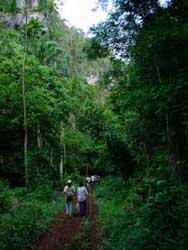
[81,197]
[91,181]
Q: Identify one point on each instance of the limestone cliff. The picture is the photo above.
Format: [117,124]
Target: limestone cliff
[16,19]
[31,4]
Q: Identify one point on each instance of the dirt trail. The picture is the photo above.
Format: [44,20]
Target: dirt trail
[95,239]
[60,235]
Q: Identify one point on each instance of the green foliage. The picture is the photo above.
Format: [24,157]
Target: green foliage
[60,64]
[24,216]
[57,70]
[51,98]
[43,89]
[94,49]
[144,214]
[132,122]
[148,94]
[8,6]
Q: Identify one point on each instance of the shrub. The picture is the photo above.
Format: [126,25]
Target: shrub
[149,214]
[22,222]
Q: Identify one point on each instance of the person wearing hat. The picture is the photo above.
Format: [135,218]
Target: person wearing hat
[69,191]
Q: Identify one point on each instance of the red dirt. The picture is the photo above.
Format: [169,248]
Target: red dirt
[60,235]
[95,239]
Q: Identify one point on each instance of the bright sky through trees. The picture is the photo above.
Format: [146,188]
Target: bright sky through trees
[80,14]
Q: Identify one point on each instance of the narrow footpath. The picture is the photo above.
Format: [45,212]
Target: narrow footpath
[61,234]
[95,240]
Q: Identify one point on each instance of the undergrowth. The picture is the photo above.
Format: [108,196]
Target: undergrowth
[143,214]
[25,215]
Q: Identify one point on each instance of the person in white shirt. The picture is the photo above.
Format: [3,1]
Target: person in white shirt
[69,191]
[82,195]
[93,180]
[88,180]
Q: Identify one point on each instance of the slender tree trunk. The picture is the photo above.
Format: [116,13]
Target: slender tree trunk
[51,156]
[158,73]
[86,170]
[24,101]
[39,136]
[72,120]
[65,158]
[186,130]
[41,141]
[61,166]
[61,149]
[167,131]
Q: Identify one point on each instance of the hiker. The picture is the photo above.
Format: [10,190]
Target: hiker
[82,195]
[92,180]
[88,181]
[69,191]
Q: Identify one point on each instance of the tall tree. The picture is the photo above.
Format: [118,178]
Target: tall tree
[24,96]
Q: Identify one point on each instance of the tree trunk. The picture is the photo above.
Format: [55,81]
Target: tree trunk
[86,170]
[51,156]
[61,149]
[72,120]
[61,166]
[167,132]
[39,142]
[186,130]
[158,73]
[24,102]
[64,148]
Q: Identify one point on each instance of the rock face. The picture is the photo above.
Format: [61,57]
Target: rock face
[12,20]
[32,4]
[15,20]
[20,4]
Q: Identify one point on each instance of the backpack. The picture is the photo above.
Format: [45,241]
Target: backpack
[69,194]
